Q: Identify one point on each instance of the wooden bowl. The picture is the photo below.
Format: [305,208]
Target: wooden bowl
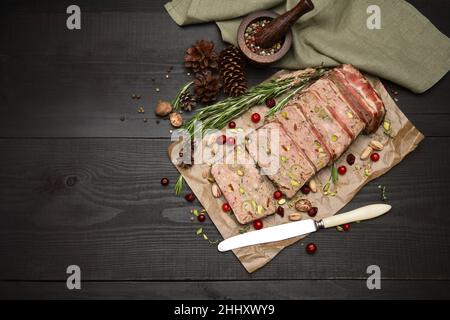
[254,57]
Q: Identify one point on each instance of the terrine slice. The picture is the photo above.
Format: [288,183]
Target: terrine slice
[332,133]
[249,193]
[328,92]
[360,95]
[304,135]
[279,157]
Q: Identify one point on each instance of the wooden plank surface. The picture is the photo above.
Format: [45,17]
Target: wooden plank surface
[80,186]
[118,223]
[226,290]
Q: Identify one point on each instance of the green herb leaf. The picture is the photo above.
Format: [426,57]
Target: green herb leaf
[179,185]
[244,229]
[176,105]
[334,174]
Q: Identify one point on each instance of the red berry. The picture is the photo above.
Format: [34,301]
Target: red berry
[342,170]
[351,159]
[270,103]
[221,139]
[256,117]
[312,212]
[305,189]
[226,207]
[201,217]
[311,248]
[374,157]
[346,227]
[258,224]
[232,125]
[165,182]
[231,141]
[190,197]
[280,211]
[277,195]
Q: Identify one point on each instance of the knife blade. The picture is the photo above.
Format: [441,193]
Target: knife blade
[299,228]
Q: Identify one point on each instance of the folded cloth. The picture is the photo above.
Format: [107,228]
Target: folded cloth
[408,49]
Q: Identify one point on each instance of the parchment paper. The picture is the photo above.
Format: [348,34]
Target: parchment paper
[403,139]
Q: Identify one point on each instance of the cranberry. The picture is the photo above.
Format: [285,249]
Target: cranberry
[256,117]
[232,125]
[311,248]
[165,182]
[231,141]
[258,224]
[374,157]
[342,170]
[270,103]
[346,227]
[351,159]
[226,207]
[280,211]
[305,189]
[201,217]
[277,195]
[221,139]
[312,212]
[190,197]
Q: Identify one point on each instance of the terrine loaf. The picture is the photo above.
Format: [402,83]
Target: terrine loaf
[249,193]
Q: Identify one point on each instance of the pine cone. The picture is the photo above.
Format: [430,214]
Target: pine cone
[187,101]
[232,72]
[206,87]
[201,57]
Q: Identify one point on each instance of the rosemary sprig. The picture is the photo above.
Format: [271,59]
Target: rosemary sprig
[179,185]
[176,105]
[217,116]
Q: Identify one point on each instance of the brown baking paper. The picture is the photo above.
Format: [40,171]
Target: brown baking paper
[403,139]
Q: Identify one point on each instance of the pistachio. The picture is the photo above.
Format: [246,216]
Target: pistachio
[376,145]
[283,158]
[211,179]
[334,138]
[240,173]
[163,108]
[366,153]
[295,216]
[176,119]
[295,183]
[303,205]
[281,202]
[241,190]
[216,191]
[260,209]
[313,185]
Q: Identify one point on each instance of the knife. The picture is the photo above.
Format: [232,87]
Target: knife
[299,228]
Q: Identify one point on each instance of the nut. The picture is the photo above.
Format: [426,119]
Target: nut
[366,153]
[303,205]
[176,119]
[216,191]
[313,185]
[206,173]
[163,108]
[296,216]
[376,145]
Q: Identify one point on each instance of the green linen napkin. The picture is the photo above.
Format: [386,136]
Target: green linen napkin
[408,49]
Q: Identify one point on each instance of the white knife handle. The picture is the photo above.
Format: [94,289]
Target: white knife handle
[360,214]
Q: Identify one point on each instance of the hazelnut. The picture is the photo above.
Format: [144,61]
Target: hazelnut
[176,119]
[303,205]
[163,108]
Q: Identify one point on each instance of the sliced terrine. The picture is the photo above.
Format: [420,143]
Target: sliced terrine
[249,193]
[304,135]
[280,158]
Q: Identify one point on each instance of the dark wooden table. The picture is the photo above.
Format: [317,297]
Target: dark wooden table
[78,186]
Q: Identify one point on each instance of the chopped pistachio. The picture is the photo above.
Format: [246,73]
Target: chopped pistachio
[281,202]
[195,212]
[241,190]
[284,114]
[240,173]
[254,205]
[199,231]
[339,228]
[283,158]
[295,183]
[349,115]
[260,209]
[334,138]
